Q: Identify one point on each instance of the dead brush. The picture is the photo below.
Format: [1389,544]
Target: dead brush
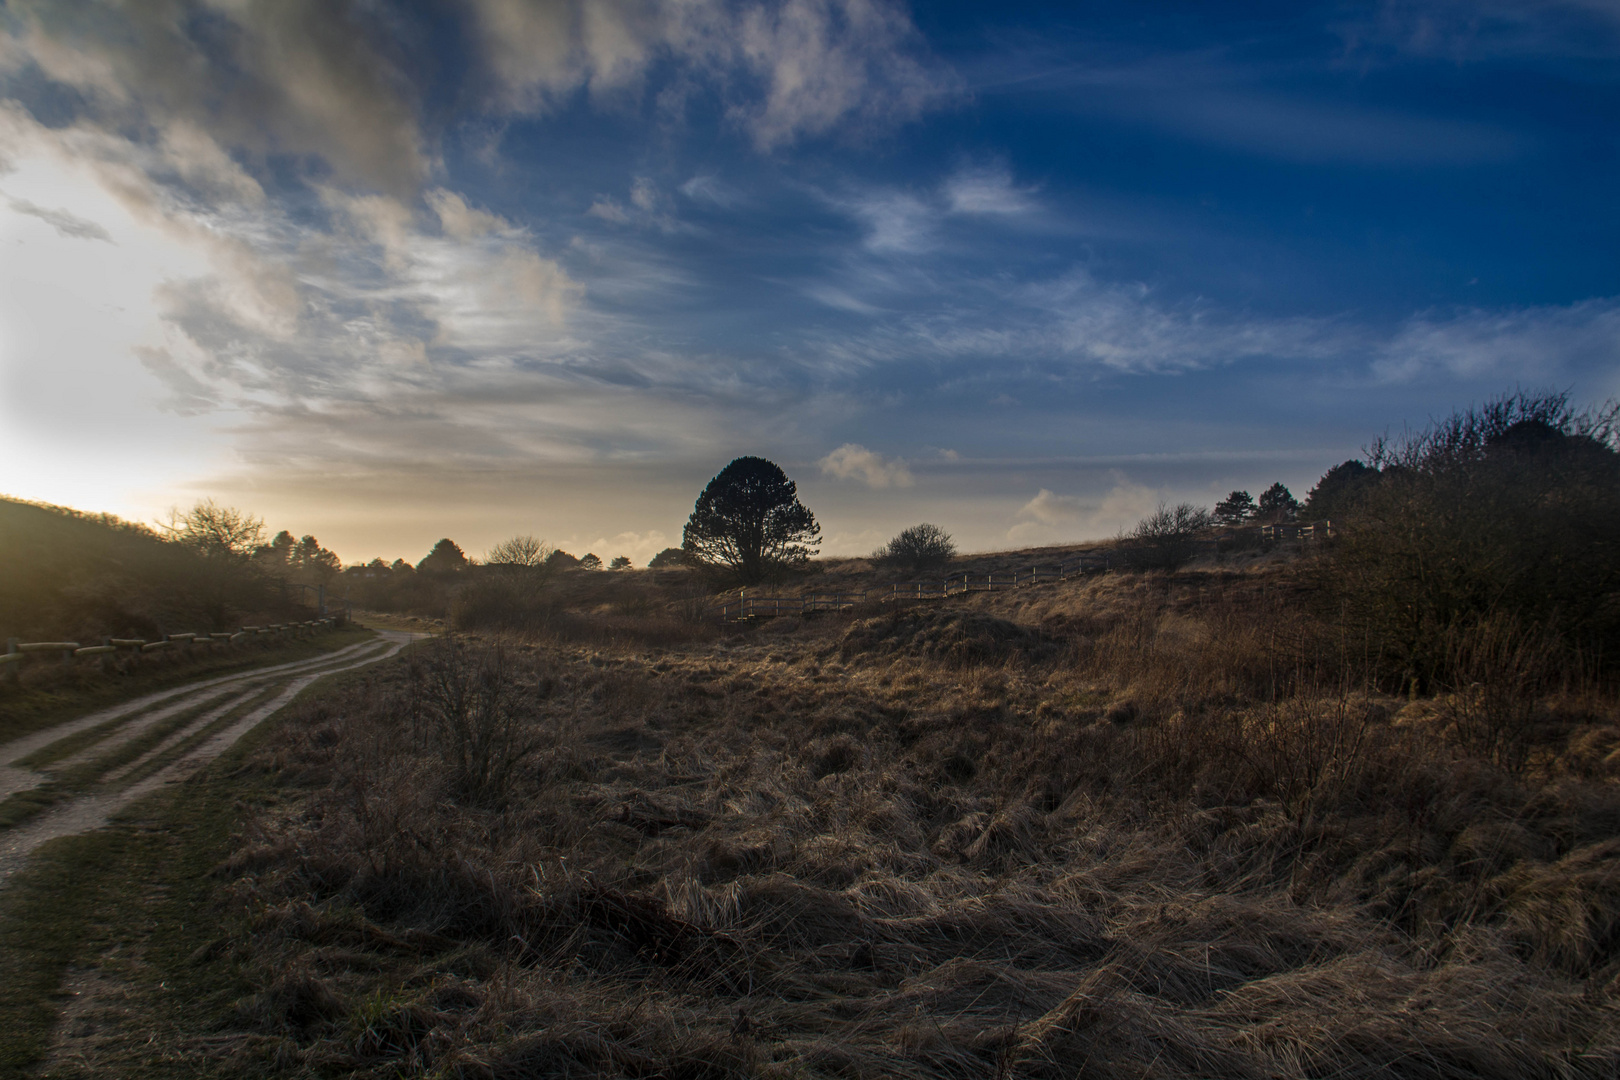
[773,860]
[480,717]
[1496,672]
[1306,753]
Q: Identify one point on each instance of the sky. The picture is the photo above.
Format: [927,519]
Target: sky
[383,272]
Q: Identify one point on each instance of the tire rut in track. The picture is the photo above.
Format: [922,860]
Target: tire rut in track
[127,721]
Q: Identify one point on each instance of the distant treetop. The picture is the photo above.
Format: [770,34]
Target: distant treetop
[519,551]
[1236,509]
[1341,488]
[749,518]
[921,547]
[1276,504]
[445,558]
[667,559]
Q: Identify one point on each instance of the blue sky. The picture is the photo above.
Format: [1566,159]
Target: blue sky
[390,271]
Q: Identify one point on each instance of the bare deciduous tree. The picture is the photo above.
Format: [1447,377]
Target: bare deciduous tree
[214,530]
[921,547]
[1167,538]
[526,551]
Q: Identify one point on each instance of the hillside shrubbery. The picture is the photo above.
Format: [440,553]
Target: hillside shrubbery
[73,575]
[1500,521]
[921,547]
[1166,539]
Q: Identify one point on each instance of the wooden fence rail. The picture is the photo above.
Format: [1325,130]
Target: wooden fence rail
[743,606]
[11,661]
[1317,530]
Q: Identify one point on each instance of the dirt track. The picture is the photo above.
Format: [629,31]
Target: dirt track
[185,728]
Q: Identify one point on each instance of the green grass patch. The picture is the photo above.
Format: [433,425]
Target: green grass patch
[136,903]
[45,698]
[45,914]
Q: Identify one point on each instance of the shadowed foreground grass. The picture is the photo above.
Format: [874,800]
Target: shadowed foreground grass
[109,957]
[117,957]
[1118,828]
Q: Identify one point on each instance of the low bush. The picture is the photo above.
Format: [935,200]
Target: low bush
[921,547]
[1166,539]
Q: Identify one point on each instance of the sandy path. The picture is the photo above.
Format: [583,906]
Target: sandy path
[93,809]
[17,749]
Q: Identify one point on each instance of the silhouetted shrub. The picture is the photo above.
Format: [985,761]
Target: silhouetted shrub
[1336,495]
[668,559]
[1507,510]
[525,551]
[921,547]
[1166,539]
[445,559]
[1275,505]
[1236,509]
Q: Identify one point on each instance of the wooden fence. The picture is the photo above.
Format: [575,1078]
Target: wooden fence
[1318,530]
[11,661]
[742,606]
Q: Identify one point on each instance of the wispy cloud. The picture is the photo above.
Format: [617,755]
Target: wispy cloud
[1050,517]
[710,189]
[1545,342]
[64,222]
[987,190]
[1316,131]
[1210,96]
[1465,31]
[895,221]
[1077,325]
[787,71]
[279,78]
[855,462]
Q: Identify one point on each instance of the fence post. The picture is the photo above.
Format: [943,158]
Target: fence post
[106,658]
[12,672]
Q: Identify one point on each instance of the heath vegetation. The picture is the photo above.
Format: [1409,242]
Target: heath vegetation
[1346,809]
[1126,826]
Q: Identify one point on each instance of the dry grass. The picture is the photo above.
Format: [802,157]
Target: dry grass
[1126,827]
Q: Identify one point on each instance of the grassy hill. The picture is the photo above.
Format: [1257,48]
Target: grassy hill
[72,575]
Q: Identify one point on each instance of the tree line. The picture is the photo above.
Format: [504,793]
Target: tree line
[1488,541]
[1500,522]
